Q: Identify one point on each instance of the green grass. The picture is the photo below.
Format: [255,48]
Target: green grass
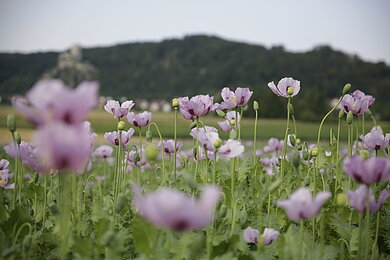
[103,122]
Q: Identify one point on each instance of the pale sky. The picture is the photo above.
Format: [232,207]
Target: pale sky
[355,26]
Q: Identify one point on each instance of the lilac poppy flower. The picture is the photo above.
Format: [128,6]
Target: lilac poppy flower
[175,210]
[103,151]
[357,102]
[251,235]
[133,160]
[368,171]
[63,146]
[274,145]
[225,125]
[357,199]
[301,204]
[232,99]
[231,148]
[208,140]
[113,137]
[283,87]
[4,179]
[375,140]
[141,119]
[196,106]
[52,100]
[170,144]
[206,129]
[92,135]
[113,107]
[27,154]
[269,236]
[4,164]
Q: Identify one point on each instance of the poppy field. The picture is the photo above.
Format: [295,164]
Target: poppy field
[212,195]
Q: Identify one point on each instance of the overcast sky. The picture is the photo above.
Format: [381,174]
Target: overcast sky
[356,26]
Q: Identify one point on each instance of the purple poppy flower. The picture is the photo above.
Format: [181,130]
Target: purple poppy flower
[27,154]
[136,161]
[113,107]
[4,179]
[206,129]
[175,210]
[232,99]
[274,145]
[283,87]
[368,171]
[142,119]
[63,146]
[231,148]
[357,199]
[113,137]
[301,204]
[208,139]
[103,151]
[225,125]
[196,106]
[170,144]
[269,236]
[4,164]
[251,235]
[357,102]
[52,100]
[375,140]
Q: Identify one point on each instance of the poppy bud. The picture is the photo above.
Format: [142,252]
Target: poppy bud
[306,181]
[291,109]
[108,236]
[305,155]
[295,159]
[222,212]
[192,125]
[292,140]
[220,113]
[233,134]
[17,137]
[11,124]
[255,105]
[275,185]
[346,88]
[121,125]
[368,112]
[217,143]
[290,91]
[341,199]
[314,152]
[341,113]
[364,154]
[149,136]
[245,107]
[151,153]
[136,157]
[175,103]
[26,244]
[349,117]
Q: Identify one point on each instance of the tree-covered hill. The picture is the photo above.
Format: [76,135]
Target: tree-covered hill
[204,64]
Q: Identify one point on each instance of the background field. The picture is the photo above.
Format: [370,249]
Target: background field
[102,122]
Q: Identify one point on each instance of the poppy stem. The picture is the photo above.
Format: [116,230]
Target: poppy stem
[175,148]
[285,138]
[255,138]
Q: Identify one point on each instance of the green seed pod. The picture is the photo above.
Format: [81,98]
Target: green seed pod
[314,152]
[290,91]
[298,141]
[151,153]
[275,185]
[295,159]
[149,136]
[341,200]
[11,123]
[346,88]
[220,113]
[121,125]
[233,134]
[192,125]
[341,113]
[17,137]
[217,143]
[121,203]
[107,238]
[175,103]
[255,105]
[291,108]
[349,117]
[292,139]
[364,154]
